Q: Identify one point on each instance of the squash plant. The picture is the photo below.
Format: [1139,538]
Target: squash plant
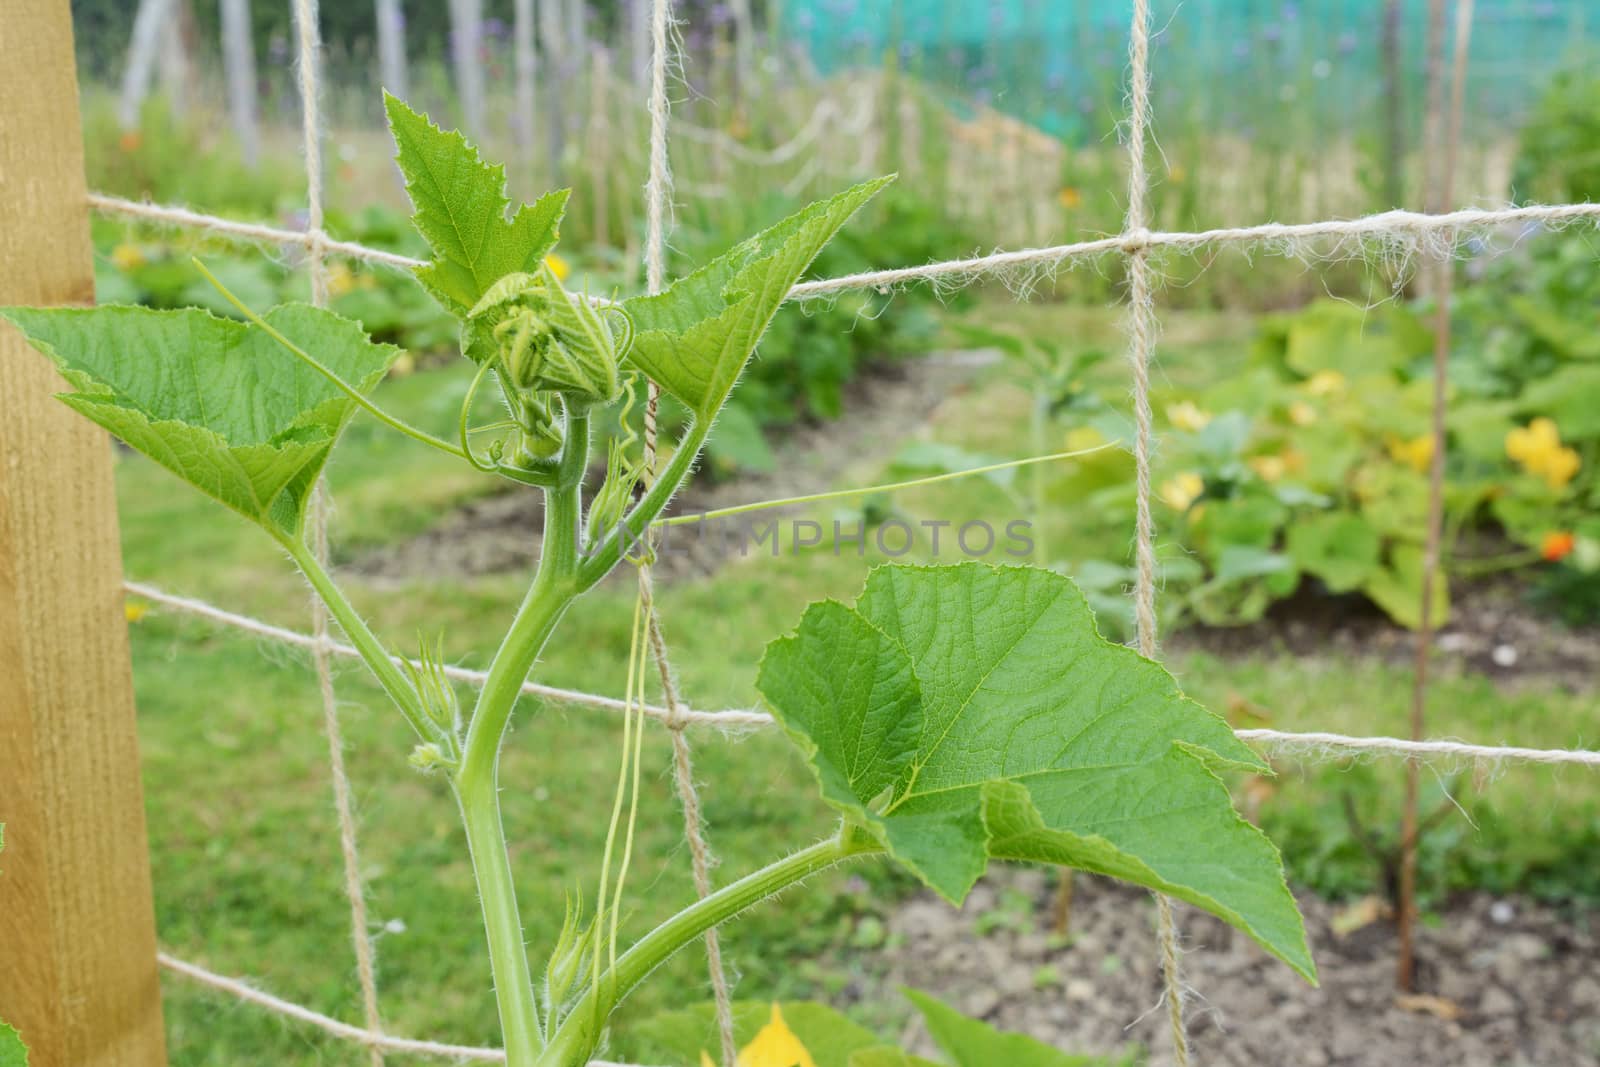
[952,715]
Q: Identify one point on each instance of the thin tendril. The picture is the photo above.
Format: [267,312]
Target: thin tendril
[311,361]
[464,419]
[761,505]
[622,783]
[633,806]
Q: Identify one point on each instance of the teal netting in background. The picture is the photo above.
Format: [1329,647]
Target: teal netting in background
[1234,64]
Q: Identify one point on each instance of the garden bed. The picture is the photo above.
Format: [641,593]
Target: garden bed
[1502,982]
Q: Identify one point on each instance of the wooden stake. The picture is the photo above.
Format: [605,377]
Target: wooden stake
[76,921]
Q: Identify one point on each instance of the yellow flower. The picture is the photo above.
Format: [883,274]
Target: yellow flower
[1325,383]
[1270,468]
[558,266]
[1187,416]
[1083,438]
[127,257]
[134,610]
[1526,443]
[1537,448]
[1416,453]
[1294,461]
[341,279]
[1070,198]
[1184,490]
[773,1046]
[1302,414]
[1176,174]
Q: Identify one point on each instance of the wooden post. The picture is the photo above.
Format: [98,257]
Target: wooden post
[77,928]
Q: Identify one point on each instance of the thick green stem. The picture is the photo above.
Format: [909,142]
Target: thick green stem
[508,956]
[579,1035]
[376,657]
[477,781]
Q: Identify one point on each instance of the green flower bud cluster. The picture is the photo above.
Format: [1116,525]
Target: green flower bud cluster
[546,341]
[568,970]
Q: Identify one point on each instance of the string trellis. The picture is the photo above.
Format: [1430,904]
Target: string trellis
[1397,234]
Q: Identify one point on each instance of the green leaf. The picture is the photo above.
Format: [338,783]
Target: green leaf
[219,403]
[1569,397]
[974,1043]
[1337,547]
[461,204]
[888,1056]
[13,1053]
[679,1037]
[971,712]
[1356,341]
[696,337]
[1396,587]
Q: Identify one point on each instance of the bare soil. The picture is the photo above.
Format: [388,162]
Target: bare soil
[1502,982]
[1492,630]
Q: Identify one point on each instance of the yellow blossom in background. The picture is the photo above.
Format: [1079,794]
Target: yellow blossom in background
[1302,414]
[405,363]
[1082,438]
[1184,490]
[1070,198]
[1176,174]
[1294,461]
[341,279]
[558,266]
[1325,383]
[1270,468]
[1538,449]
[1187,416]
[134,610]
[773,1046]
[127,257]
[1416,453]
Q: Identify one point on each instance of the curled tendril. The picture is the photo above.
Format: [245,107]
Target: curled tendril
[464,428]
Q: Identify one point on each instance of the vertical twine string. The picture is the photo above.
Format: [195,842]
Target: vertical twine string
[1142,339]
[1443,139]
[311,126]
[658,191]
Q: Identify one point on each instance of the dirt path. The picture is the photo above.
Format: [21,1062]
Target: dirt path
[1508,983]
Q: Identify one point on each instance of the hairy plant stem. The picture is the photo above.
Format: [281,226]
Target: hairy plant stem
[477,781]
[377,658]
[579,1034]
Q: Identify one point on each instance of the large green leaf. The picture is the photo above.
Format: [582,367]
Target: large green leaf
[13,1053]
[695,337]
[219,403]
[1356,341]
[974,1043]
[972,711]
[1338,547]
[461,204]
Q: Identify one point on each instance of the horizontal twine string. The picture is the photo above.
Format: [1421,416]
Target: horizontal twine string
[1397,227]
[1304,744]
[371,1038]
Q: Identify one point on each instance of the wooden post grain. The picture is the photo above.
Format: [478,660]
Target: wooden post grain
[77,933]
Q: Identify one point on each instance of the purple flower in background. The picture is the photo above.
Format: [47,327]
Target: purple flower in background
[494,28]
[804,20]
[1055,79]
[907,49]
[1347,42]
[721,13]
[1272,33]
[1290,10]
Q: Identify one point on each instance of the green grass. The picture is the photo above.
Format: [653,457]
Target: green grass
[243,840]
